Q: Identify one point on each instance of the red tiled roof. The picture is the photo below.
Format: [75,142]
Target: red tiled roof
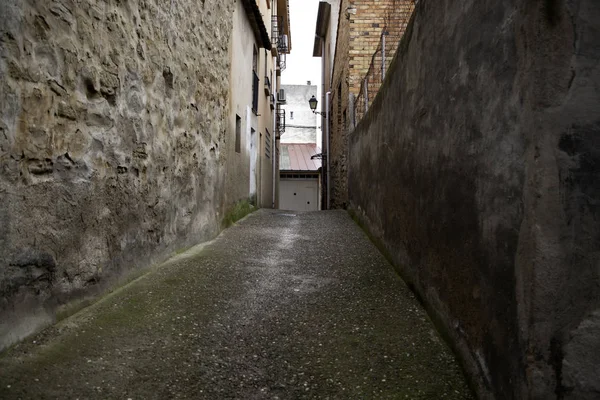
[297,157]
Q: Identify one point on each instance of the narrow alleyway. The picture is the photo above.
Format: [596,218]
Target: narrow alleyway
[280,306]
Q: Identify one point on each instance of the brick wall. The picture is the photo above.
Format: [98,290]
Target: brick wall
[366,26]
[359,33]
[339,103]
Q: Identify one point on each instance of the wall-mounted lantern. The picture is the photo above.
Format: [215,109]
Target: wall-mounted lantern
[313,105]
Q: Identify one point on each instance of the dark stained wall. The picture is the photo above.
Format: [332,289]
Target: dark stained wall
[477,168]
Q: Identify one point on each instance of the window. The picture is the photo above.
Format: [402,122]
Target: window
[254,59]
[255,93]
[238,134]
[291,115]
[288,175]
[255,81]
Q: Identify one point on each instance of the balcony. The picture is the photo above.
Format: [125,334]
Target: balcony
[283,44]
[276,23]
[280,122]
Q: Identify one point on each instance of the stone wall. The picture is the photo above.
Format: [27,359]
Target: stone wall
[112,130]
[476,169]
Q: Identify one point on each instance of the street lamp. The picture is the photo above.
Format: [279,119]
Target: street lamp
[313,105]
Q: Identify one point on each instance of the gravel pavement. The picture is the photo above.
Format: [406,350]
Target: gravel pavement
[280,306]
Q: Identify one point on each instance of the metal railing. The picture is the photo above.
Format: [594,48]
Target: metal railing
[281,61]
[282,46]
[280,121]
[390,36]
[276,22]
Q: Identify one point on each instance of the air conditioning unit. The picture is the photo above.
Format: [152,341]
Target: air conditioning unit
[281,96]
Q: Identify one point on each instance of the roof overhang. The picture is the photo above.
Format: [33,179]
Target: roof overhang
[298,157]
[322,27]
[257,23]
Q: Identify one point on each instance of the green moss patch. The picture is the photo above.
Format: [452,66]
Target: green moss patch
[239,211]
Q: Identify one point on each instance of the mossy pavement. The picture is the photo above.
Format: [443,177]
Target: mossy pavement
[281,305]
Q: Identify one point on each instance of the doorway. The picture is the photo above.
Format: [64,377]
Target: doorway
[253,158]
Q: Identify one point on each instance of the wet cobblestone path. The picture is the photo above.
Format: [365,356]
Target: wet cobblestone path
[280,306]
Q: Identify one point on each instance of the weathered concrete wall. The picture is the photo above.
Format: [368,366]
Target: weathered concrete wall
[477,168]
[112,130]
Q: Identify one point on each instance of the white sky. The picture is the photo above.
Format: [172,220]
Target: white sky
[301,65]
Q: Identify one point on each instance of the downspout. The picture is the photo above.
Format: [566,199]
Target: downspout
[325,113]
[274,131]
[273,155]
[327,96]
[274,139]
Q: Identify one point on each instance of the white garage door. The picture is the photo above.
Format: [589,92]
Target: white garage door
[299,194]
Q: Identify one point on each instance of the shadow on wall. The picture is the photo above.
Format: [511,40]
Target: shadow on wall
[476,169]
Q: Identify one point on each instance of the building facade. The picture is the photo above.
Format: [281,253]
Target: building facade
[261,39]
[347,37]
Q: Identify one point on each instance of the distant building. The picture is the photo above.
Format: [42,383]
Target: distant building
[300,163]
[300,188]
[300,121]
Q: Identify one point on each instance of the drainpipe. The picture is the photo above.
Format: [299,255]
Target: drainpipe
[327,96]
[325,112]
[274,138]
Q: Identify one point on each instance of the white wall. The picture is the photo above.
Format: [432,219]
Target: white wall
[241,52]
[299,194]
[302,128]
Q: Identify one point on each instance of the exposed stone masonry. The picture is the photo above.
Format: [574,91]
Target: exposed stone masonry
[112,130]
